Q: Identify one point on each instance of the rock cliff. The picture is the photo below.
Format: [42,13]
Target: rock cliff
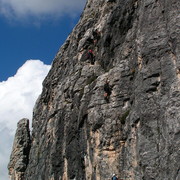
[135,133]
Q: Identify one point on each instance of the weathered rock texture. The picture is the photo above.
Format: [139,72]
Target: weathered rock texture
[21,147]
[76,133]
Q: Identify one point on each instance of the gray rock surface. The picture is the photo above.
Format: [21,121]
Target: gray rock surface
[76,133]
[20,153]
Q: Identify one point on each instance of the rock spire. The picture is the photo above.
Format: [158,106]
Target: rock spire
[20,154]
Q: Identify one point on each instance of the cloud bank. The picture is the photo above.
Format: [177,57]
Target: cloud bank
[40,8]
[17,98]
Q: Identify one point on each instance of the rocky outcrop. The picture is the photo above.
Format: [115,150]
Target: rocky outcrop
[76,133]
[20,153]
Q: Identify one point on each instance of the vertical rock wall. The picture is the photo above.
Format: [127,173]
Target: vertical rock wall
[77,134]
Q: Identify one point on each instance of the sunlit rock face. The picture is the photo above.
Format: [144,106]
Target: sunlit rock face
[78,134]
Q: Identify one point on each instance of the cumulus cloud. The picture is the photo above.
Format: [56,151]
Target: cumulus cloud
[40,8]
[17,98]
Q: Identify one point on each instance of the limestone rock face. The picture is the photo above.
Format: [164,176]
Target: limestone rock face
[20,153]
[77,134]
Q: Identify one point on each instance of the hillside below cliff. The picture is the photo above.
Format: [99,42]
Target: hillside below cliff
[81,131]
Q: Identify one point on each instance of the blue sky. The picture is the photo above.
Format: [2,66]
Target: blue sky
[20,42]
[31,33]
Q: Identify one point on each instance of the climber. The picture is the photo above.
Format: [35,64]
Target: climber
[114,177]
[91,56]
[107,90]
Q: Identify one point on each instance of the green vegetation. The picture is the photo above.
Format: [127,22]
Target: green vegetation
[81,93]
[90,16]
[133,71]
[91,79]
[124,116]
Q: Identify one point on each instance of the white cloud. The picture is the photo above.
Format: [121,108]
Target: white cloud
[40,8]
[17,98]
